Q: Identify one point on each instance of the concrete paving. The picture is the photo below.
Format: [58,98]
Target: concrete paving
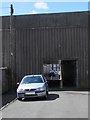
[60,104]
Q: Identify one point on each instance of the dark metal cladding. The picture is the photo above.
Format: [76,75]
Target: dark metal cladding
[46,38]
[1,56]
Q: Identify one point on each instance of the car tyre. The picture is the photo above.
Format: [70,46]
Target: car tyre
[20,99]
[47,93]
[45,97]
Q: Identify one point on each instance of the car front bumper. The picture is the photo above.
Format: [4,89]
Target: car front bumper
[31,94]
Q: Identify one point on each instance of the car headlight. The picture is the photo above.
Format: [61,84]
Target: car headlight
[40,89]
[20,90]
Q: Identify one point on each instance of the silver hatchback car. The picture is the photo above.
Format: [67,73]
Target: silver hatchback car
[32,86]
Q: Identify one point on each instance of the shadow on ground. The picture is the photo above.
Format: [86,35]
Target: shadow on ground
[54,85]
[57,88]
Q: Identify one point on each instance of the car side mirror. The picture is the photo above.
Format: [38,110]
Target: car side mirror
[46,81]
[17,83]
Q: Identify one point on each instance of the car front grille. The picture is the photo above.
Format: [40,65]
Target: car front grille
[29,90]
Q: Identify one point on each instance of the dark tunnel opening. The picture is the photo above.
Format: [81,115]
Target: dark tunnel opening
[68,73]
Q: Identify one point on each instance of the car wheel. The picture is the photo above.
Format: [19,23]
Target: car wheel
[19,99]
[47,92]
[45,97]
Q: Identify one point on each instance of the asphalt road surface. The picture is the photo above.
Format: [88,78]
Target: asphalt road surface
[60,104]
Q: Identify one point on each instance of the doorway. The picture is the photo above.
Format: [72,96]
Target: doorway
[69,73]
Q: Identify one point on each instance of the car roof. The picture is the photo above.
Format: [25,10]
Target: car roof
[33,75]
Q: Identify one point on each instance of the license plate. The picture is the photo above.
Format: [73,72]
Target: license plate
[30,93]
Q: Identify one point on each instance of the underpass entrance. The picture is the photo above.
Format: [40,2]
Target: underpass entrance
[69,73]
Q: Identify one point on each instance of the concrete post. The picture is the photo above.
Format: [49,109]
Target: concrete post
[0,61]
[60,78]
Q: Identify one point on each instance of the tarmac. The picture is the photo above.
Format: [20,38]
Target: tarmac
[10,96]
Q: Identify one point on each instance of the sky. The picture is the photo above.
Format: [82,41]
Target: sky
[42,7]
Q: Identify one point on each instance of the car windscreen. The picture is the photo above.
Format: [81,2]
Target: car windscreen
[33,79]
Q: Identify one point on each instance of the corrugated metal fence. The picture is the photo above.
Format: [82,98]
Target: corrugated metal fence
[32,46]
